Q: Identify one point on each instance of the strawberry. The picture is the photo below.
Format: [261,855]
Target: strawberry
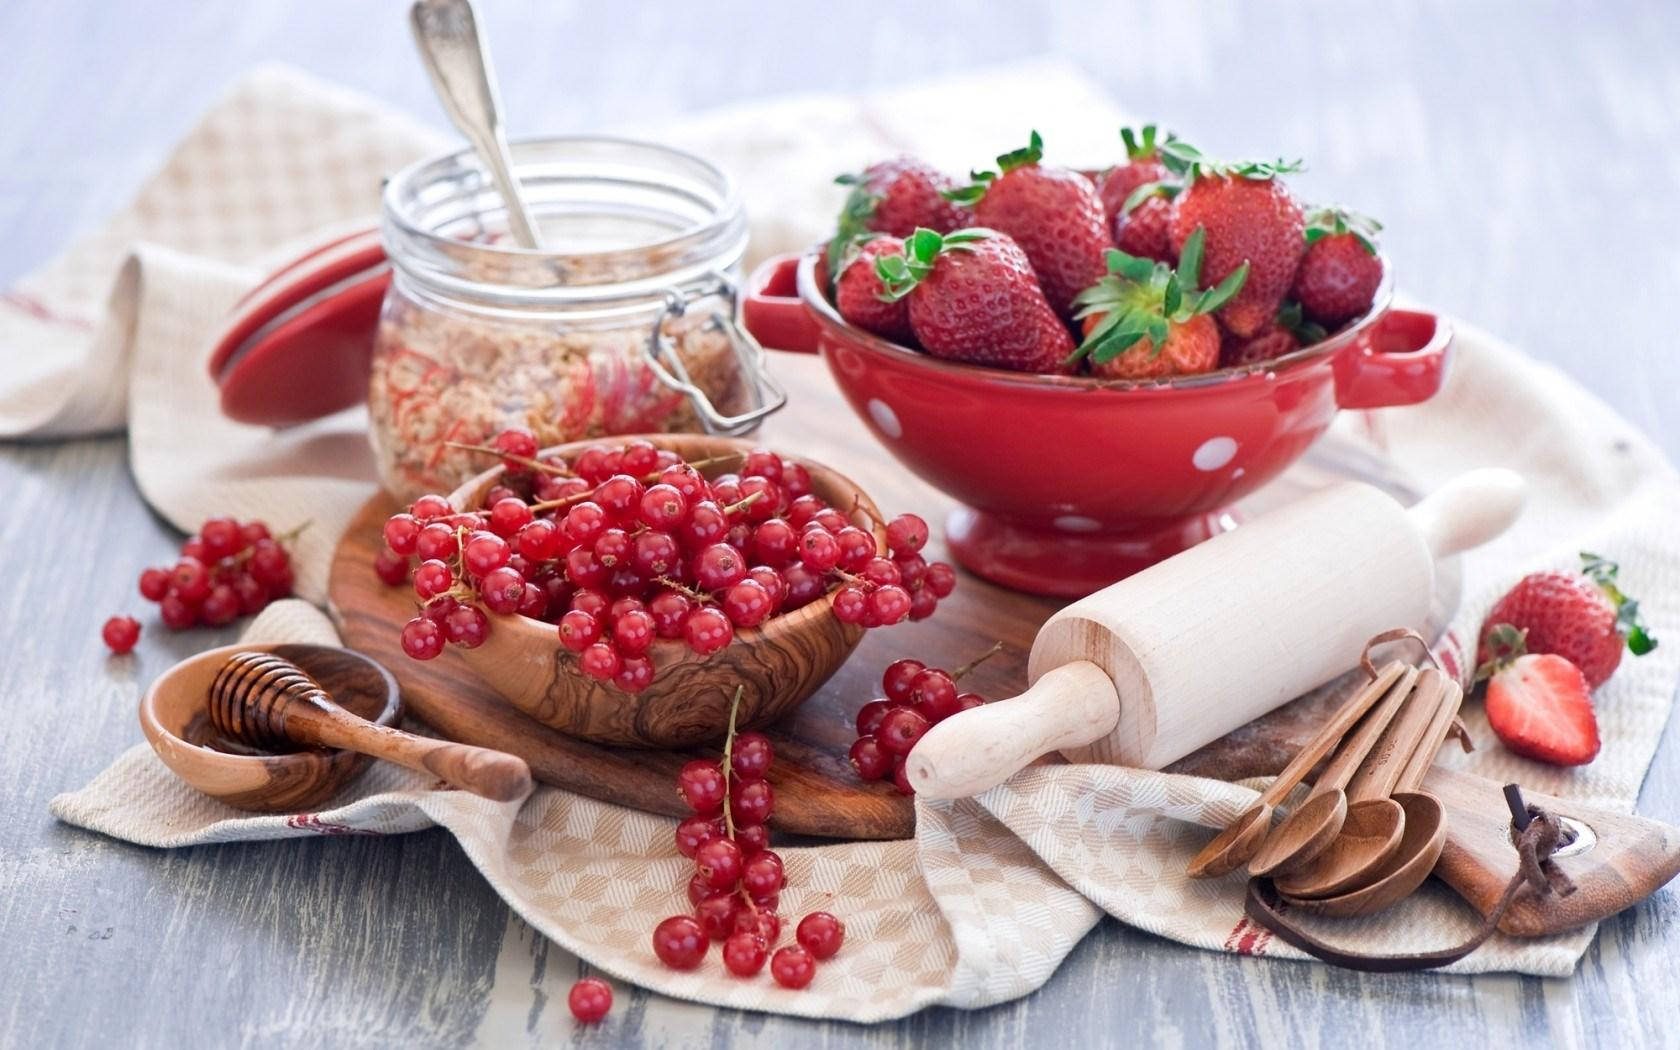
[1340,271]
[1143,164]
[1250,217]
[1583,617]
[896,196]
[1537,704]
[1138,217]
[1286,334]
[1053,213]
[973,297]
[1146,320]
[860,296]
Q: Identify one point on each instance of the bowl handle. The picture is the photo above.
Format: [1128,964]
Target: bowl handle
[1400,360]
[771,309]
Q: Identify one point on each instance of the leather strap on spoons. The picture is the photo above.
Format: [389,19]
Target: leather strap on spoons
[1316,821]
[1371,833]
[1237,844]
[1422,840]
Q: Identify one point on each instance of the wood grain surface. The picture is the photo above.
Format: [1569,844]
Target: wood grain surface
[1522,158]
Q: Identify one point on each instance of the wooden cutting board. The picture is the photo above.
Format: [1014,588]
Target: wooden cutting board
[817,792]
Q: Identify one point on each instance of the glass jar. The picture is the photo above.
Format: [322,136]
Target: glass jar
[625,323]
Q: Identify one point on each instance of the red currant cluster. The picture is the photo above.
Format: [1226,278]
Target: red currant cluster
[227,571]
[629,544]
[917,697]
[737,878]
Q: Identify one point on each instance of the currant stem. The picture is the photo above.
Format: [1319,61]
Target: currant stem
[743,503]
[996,648]
[683,589]
[728,761]
[294,532]
[557,469]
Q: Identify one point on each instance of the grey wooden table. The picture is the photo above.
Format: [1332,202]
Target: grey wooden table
[1526,160]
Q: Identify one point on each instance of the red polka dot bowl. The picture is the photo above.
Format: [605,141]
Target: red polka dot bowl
[1068,483]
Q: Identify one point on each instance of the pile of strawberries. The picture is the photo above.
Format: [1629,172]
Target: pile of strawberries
[1544,647]
[1166,264]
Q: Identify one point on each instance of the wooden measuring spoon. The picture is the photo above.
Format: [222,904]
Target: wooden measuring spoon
[1375,822]
[1422,840]
[1316,821]
[1237,844]
[267,701]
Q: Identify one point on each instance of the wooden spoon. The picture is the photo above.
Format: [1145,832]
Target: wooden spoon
[1237,844]
[1422,841]
[269,702]
[1316,821]
[1375,822]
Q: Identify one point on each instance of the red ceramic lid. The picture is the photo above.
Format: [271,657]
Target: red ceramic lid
[297,346]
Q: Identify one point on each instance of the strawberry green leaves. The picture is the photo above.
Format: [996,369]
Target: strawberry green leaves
[1140,144]
[1187,161]
[900,273]
[1324,222]
[980,181]
[1142,297]
[1603,572]
[853,225]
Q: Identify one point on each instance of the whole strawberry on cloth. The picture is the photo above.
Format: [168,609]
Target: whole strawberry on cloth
[973,297]
[1250,217]
[1545,645]
[1053,213]
[1340,271]
[860,295]
[1147,320]
[1137,197]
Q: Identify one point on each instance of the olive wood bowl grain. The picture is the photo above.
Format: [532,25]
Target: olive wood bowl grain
[778,665]
[174,715]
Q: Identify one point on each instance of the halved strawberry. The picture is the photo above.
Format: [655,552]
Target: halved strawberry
[1538,705]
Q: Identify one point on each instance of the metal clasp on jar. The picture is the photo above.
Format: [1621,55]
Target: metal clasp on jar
[767,395]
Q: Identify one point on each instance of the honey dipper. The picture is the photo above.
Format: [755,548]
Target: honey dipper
[267,701]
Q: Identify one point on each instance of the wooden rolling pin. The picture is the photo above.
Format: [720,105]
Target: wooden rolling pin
[1147,670]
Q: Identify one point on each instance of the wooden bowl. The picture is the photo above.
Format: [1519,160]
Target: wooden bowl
[779,665]
[175,717]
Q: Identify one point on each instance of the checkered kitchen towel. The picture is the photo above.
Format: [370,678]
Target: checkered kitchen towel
[992,893]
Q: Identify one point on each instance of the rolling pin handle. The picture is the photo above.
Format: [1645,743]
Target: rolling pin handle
[1469,510]
[1070,706]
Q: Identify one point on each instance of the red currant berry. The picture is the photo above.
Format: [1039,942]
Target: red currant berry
[639,457]
[533,601]
[969,701]
[438,609]
[751,756]
[485,552]
[901,777]
[176,612]
[584,569]
[251,532]
[392,569]
[922,604]
[901,729]
[662,507]
[850,605]
[869,716]
[221,606]
[669,610]
[906,534]
[761,923]
[422,639]
[719,566]
[882,573]
[803,510]
[590,1000]
[599,661]
[774,543]
[939,702]
[795,480]
[819,551]
[744,954]
[431,579]
[766,499]
[889,604]
[190,580]
[680,942]
[751,802]
[539,540]
[436,542]
[698,890]
[466,626]
[612,547]
[695,831]
[752,838]
[857,548]
[402,531]
[869,758]
[934,688]
[821,934]
[707,630]
[911,570]
[253,596]
[803,587]
[762,463]
[508,515]
[687,481]
[655,554]
[941,579]
[590,601]
[719,862]
[154,584]
[515,441]
[747,604]
[831,519]
[619,496]
[773,584]
[498,493]
[900,680]
[591,464]
[700,785]
[726,489]
[717,914]
[431,506]
[793,966]
[502,591]
[121,633]
[584,523]
[635,673]
[762,874]
[706,524]
[633,631]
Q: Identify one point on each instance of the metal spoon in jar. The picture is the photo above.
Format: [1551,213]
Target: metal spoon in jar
[446,31]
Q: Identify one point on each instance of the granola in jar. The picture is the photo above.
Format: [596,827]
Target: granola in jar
[476,336]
